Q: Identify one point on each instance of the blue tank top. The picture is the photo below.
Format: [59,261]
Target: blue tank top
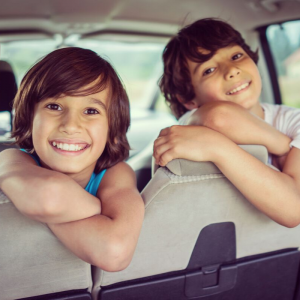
[93,184]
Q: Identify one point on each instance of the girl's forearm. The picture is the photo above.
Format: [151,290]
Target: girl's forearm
[45,195]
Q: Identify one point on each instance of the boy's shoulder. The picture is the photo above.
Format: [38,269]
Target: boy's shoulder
[284,118]
[184,118]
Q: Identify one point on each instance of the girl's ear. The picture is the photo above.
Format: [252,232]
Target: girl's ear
[188,105]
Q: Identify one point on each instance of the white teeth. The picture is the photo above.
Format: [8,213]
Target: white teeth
[67,147]
[72,147]
[241,87]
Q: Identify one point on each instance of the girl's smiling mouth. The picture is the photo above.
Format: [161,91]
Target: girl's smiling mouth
[64,147]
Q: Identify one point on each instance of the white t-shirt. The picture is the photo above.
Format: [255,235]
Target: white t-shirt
[283,118]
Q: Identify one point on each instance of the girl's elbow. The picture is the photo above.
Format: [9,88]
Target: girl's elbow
[290,221]
[118,257]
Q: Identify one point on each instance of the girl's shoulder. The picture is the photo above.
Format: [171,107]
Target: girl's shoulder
[118,176]
[35,157]
[94,182]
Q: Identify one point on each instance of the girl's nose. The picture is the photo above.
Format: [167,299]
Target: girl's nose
[70,123]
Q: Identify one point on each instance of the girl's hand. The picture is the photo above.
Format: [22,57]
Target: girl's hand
[195,143]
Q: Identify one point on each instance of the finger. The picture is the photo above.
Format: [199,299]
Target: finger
[159,150]
[167,156]
[164,132]
[159,141]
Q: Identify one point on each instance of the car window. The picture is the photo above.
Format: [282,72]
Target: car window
[284,41]
[139,64]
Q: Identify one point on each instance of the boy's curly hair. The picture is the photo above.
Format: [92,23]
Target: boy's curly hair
[210,34]
[69,71]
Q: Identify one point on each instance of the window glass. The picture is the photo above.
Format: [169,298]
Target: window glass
[139,64]
[284,42]
[22,55]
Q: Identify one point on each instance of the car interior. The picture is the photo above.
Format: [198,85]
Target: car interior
[201,239]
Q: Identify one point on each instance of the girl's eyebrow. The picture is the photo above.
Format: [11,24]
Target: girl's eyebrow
[97,101]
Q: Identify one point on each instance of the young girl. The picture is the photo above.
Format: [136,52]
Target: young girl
[212,83]
[71,119]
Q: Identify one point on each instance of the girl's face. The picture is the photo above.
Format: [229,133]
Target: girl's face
[230,75]
[70,133]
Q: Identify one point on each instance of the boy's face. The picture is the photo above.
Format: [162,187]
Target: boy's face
[70,133]
[230,75]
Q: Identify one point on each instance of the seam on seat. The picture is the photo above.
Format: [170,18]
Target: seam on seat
[183,179]
[180,179]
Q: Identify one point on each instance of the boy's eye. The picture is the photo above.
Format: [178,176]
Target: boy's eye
[53,106]
[91,111]
[208,71]
[237,56]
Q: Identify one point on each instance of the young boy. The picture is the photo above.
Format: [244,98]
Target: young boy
[212,84]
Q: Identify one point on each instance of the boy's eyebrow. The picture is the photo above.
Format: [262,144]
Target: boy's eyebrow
[196,68]
[97,101]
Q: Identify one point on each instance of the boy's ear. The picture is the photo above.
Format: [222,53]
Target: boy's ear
[188,105]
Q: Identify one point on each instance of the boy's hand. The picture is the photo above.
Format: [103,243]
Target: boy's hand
[241,126]
[196,143]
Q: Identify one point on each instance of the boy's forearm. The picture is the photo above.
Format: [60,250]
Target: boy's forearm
[274,193]
[241,126]
[45,195]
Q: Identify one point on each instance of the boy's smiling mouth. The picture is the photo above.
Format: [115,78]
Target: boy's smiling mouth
[239,88]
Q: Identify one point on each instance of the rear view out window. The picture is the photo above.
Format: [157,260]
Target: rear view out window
[284,41]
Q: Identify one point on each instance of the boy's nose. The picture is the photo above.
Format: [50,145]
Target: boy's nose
[231,72]
[70,124]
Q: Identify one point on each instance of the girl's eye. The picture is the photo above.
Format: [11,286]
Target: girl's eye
[91,111]
[208,71]
[237,56]
[53,106]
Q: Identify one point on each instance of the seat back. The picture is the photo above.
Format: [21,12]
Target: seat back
[202,238]
[33,262]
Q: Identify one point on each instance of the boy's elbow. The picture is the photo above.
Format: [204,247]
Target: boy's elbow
[118,257]
[217,116]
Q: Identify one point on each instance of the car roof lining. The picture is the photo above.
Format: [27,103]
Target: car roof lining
[162,17]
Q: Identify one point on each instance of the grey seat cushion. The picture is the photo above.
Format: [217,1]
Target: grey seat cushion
[32,260]
[179,206]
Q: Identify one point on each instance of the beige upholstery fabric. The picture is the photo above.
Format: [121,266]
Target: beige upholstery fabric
[185,167]
[32,261]
[178,207]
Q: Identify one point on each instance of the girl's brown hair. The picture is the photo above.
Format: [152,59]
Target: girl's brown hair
[68,71]
[209,34]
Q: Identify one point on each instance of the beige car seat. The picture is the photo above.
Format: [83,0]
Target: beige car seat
[33,262]
[201,239]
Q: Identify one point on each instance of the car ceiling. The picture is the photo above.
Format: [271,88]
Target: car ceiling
[152,17]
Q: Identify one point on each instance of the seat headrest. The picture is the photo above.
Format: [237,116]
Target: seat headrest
[5,66]
[183,167]
[8,86]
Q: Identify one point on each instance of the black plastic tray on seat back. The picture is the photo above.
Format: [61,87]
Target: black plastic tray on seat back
[213,273]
